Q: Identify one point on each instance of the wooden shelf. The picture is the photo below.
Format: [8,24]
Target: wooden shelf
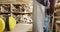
[58,21]
[4,12]
[22,12]
[58,0]
[56,17]
[57,27]
[15,12]
[58,5]
[57,10]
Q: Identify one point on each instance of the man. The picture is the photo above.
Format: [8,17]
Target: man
[41,7]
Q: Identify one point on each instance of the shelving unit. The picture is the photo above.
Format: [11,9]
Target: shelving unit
[17,9]
[21,10]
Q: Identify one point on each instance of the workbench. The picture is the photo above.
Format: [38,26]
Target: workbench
[22,28]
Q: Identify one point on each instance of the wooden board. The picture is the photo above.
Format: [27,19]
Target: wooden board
[22,28]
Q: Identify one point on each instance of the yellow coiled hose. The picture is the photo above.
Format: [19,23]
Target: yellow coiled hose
[12,23]
[2,25]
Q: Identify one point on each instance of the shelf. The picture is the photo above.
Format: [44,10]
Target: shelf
[57,10]
[58,5]
[4,12]
[58,0]
[22,12]
[15,12]
[56,17]
[58,21]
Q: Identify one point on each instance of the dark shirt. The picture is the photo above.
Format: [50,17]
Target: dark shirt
[45,2]
[50,10]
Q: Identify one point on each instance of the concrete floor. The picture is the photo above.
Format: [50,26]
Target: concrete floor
[22,28]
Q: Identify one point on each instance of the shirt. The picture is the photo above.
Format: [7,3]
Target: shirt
[43,2]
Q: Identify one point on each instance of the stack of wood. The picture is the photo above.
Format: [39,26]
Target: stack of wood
[57,16]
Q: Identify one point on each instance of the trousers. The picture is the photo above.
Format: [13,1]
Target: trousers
[46,23]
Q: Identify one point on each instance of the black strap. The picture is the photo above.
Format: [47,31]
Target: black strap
[7,23]
[43,2]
